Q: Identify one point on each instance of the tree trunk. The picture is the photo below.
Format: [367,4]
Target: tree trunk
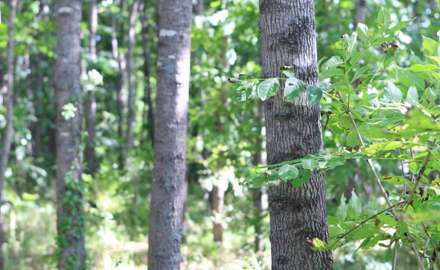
[148,121]
[70,223]
[361,11]
[90,105]
[130,76]
[119,87]
[217,196]
[257,194]
[169,186]
[7,136]
[293,130]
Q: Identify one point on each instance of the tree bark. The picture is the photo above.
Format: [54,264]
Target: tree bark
[361,11]
[70,222]
[130,76]
[217,196]
[169,186]
[8,132]
[90,105]
[148,121]
[119,88]
[293,130]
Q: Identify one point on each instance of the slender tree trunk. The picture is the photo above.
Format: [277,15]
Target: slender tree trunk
[90,105]
[257,194]
[217,196]
[119,87]
[70,223]
[361,11]
[130,74]
[8,132]
[199,7]
[293,130]
[148,121]
[169,186]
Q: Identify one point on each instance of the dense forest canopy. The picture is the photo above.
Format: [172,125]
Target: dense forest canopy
[219,134]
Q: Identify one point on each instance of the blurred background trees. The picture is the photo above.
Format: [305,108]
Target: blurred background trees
[226,221]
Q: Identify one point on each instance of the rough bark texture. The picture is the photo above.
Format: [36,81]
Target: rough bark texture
[148,121]
[70,222]
[361,11]
[293,130]
[8,131]
[90,105]
[130,76]
[169,184]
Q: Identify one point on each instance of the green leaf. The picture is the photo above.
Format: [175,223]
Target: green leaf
[292,88]
[392,93]
[314,93]
[362,30]
[289,73]
[365,231]
[423,68]
[333,62]
[268,88]
[341,212]
[430,46]
[288,172]
[303,177]
[354,206]
[412,96]
[318,244]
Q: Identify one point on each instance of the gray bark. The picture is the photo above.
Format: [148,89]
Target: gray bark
[169,185]
[90,104]
[7,136]
[148,121]
[70,222]
[119,87]
[293,131]
[130,76]
[361,11]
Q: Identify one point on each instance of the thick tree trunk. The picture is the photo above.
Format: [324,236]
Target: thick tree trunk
[169,186]
[8,132]
[293,130]
[148,121]
[70,223]
[130,74]
[361,11]
[90,105]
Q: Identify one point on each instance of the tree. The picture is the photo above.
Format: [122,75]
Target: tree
[361,10]
[70,219]
[8,132]
[148,113]
[169,185]
[90,108]
[131,42]
[293,130]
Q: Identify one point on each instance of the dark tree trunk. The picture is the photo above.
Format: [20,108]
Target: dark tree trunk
[130,74]
[169,186]
[8,132]
[293,131]
[148,121]
[90,105]
[361,11]
[70,223]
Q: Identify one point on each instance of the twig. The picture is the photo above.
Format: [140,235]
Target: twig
[395,249]
[365,221]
